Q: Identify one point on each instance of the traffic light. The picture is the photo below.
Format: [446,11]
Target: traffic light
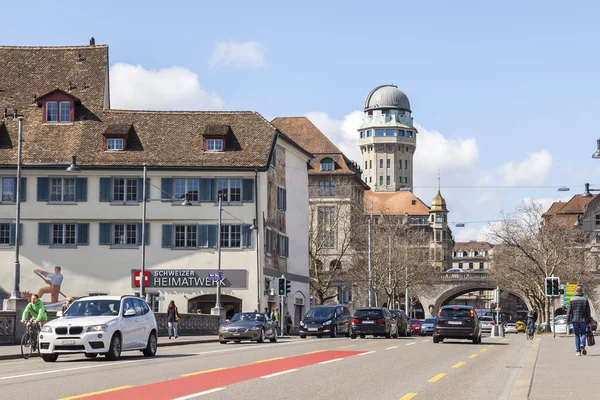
[282,284]
[548,286]
[288,286]
[555,286]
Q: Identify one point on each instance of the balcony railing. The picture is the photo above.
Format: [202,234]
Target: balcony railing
[464,275]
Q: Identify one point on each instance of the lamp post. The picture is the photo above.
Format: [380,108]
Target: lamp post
[142,275]
[218,299]
[370,291]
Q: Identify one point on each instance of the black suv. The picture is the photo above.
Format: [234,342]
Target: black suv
[456,322]
[326,320]
[374,321]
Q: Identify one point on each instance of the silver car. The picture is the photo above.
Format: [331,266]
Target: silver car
[251,326]
[427,326]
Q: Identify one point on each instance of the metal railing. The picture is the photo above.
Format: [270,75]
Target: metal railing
[464,275]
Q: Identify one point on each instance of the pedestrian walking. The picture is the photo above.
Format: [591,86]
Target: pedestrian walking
[275,317]
[288,323]
[173,319]
[579,315]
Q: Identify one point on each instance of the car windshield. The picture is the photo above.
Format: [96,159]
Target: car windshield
[455,312]
[320,312]
[93,308]
[249,316]
[415,321]
[368,313]
[429,320]
[486,319]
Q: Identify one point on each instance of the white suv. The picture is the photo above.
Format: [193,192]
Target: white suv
[101,325]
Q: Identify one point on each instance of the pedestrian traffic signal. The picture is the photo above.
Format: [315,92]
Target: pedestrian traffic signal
[548,286]
[282,282]
[288,287]
[552,286]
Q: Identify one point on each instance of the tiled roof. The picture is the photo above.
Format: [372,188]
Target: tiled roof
[394,203]
[466,246]
[576,205]
[156,138]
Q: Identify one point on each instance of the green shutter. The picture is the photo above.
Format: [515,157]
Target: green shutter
[13,228]
[80,189]
[105,189]
[83,233]
[43,189]
[146,233]
[166,187]
[202,236]
[248,190]
[208,190]
[246,236]
[105,233]
[23,188]
[167,235]
[43,233]
[212,236]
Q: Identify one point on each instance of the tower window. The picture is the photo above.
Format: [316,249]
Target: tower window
[381,163]
[388,180]
[369,133]
[363,134]
[389,163]
[389,132]
[378,132]
[381,180]
[400,132]
[366,164]
[370,164]
[405,164]
[405,179]
[389,148]
[370,179]
[409,134]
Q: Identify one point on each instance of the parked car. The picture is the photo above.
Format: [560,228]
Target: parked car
[251,326]
[427,326]
[104,325]
[416,326]
[326,320]
[510,328]
[455,271]
[560,326]
[487,323]
[374,321]
[520,326]
[457,322]
[404,325]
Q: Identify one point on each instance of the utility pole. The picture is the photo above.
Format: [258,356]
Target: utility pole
[370,292]
[142,275]
[391,302]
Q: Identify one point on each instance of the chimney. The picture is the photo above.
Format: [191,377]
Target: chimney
[5,112]
[587,193]
[92,41]
[15,113]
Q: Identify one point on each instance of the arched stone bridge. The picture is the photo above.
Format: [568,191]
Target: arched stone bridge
[452,285]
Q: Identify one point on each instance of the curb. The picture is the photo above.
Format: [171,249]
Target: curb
[167,344]
[522,385]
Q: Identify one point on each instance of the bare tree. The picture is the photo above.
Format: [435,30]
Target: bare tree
[534,246]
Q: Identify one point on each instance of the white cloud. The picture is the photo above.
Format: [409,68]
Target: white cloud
[238,54]
[172,88]
[533,170]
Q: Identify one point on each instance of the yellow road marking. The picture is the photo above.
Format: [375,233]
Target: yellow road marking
[504,340]
[269,359]
[408,396]
[372,343]
[437,377]
[203,372]
[458,365]
[492,345]
[95,393]
[347,347]
[316,351]
[483,350]
[473,355]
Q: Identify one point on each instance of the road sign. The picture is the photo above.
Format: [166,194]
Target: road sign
[137,279]
[569,291]
[213,277]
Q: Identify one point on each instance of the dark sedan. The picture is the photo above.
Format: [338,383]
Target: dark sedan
[326,320]
[248,326]
[374,321]
[457,322]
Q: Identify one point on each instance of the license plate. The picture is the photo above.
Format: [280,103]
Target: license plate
[68,342]
[313,329]
[368,322]
[454,323]
[236,334]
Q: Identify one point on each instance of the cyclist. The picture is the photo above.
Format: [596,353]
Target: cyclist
[37,311]
[532,317]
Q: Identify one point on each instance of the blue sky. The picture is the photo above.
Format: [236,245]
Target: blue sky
[504,94]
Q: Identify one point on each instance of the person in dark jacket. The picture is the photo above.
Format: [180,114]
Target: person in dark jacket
[532,317]
[579,315]
[172,319]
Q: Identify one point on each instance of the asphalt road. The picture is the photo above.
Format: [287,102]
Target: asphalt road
[403,368]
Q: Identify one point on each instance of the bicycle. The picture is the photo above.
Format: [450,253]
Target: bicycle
[529,332]
[29,340]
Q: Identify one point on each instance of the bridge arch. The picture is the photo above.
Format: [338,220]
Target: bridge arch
[471,287]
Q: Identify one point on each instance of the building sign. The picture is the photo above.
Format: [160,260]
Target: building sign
[190,278]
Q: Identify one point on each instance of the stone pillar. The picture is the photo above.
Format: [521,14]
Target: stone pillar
[220,311]
[18,306]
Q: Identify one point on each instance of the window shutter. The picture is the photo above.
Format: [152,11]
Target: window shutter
[80,189]
[147,189]
[208,190]
[105,190]
[146,233]
[167,235]
[43,233]
[13,228]
[248,190]
[246,236]
[83,233]
[212,236]
[140,193]
[202,236]
[166,187]
[105,233]
[23,188]
[43,189]
[284,199]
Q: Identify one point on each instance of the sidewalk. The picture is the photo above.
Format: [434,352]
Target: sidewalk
[559,374]
[10,352]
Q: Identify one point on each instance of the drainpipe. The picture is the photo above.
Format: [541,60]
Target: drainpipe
[258,288]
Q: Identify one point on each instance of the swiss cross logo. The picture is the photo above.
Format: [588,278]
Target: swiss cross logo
[137,277]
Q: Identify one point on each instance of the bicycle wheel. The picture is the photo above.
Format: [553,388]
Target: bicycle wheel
[26,348]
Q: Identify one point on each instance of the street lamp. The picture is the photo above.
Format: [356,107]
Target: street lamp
[16,294]
[597,152]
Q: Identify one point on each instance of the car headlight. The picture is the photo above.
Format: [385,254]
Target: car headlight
[301,323]
[47,329]
[222,330]
[97,328]
[255,328]
[327,322]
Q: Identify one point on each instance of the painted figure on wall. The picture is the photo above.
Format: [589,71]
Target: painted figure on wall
[54,280]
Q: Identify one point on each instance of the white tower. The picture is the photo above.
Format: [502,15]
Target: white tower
[388,140]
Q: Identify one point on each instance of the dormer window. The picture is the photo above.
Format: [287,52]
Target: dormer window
[51,111]
[115,144]
[58,107]
[327,164]
[214,145]
[65,111]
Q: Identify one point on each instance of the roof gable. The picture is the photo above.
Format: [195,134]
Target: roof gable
[40,99]
[302,131]
[402,202]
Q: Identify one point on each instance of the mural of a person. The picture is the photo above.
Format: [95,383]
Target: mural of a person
[54,280]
